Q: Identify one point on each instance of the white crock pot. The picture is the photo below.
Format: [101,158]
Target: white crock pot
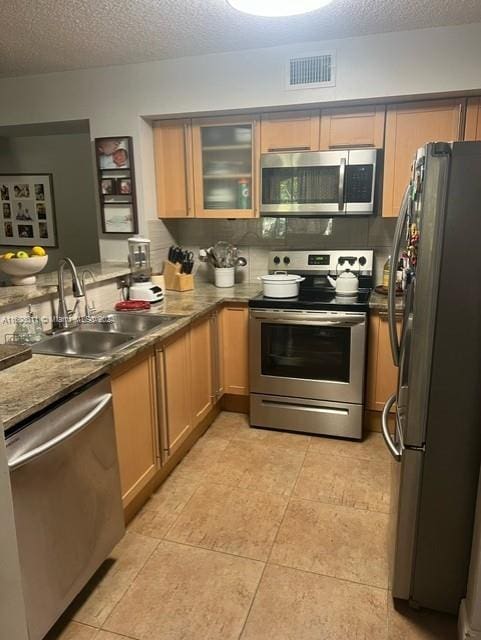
[281,285]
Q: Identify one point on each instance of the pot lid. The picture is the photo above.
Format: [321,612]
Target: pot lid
[281,277]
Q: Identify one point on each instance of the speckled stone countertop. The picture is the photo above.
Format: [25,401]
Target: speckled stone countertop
[378,302]
[46,284]
[29,387]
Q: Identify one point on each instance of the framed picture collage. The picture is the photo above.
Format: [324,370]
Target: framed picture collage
[27,210]
[115,170]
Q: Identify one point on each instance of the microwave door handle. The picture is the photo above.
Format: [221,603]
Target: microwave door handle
[342,176]
[391,298]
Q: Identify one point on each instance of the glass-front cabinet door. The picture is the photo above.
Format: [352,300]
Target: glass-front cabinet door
[226,157]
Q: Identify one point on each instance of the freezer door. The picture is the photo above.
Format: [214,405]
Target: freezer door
[405,492]
[406,472]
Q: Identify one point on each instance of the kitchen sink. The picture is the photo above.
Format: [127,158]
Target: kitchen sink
[103,336]
[84,344]
[137,323]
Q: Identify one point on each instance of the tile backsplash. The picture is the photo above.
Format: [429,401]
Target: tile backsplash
[255,238]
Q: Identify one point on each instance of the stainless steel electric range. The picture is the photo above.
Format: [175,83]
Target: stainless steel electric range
[307,354]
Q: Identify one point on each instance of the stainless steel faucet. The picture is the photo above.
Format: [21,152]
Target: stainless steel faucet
[62,321]
[90,309]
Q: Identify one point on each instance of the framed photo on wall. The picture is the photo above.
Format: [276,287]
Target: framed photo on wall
[27,210]
[116,178]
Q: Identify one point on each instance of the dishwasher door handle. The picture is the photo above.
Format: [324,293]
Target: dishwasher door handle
[65,435]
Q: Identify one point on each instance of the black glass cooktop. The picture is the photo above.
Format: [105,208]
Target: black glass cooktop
[315,299]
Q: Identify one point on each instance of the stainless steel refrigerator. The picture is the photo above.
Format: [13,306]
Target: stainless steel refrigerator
[436,438]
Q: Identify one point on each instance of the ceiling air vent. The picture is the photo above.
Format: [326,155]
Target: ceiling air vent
[312,71]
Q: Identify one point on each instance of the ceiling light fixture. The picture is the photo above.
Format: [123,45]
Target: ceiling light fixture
[277,8]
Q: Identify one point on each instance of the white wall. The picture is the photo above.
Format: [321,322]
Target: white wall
[114,98]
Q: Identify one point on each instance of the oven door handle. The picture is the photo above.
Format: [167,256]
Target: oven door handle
[328,321]
[317,323]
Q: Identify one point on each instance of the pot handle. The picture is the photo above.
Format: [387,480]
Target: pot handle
[281,272]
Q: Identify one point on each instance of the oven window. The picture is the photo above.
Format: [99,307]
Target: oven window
[307,352]
[300,185]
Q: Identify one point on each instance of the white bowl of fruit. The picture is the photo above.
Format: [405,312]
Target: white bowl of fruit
[22,265]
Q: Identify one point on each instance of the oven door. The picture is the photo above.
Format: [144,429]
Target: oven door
[306,354]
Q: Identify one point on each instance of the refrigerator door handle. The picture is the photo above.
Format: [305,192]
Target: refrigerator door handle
[393,450]
[391,299]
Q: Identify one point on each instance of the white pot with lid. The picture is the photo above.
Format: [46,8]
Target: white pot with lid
[280,284]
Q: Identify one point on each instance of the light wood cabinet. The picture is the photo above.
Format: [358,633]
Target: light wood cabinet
[408,127]
[352,127]
[473,120]
[290,131]
[173,168]
[174,393]
[234,326]
[201,367]
[226,160]
[381,372]
[134,405]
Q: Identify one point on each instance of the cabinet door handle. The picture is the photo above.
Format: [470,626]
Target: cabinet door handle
[294,148]
[162,402]
[215,356]
[365,145]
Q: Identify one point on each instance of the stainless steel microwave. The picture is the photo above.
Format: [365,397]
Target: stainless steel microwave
[318,183]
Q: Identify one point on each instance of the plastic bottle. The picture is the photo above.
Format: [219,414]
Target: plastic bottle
[243,193]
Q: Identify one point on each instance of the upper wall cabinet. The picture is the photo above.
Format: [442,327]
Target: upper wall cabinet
[290,131]
[408,127]
[473,120]
[352,127]
[173,168]
[226,158]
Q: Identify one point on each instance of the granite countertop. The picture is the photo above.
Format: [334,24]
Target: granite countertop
[11,354]
[378,302]
[46,284]
[30,386]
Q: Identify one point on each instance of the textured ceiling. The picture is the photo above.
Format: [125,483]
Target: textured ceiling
[38,36]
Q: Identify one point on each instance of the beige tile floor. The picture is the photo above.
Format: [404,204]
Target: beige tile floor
[256,535]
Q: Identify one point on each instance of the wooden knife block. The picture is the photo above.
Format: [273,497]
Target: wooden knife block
[176,281]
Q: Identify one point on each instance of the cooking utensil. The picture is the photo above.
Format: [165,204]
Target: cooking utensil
[281,285]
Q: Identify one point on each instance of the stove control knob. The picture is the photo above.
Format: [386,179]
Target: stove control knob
[362,261]
[277,260]
[341,261]
[287,260]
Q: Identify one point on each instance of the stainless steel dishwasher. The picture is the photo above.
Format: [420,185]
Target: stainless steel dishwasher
[67,503]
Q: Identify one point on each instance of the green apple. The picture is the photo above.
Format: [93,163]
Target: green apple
[21,254]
